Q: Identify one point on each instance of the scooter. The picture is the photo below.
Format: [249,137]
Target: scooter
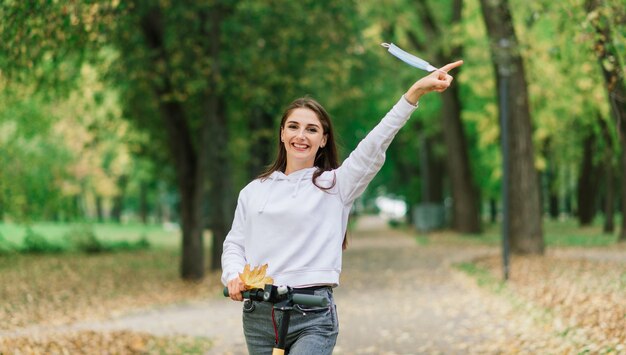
[283,299]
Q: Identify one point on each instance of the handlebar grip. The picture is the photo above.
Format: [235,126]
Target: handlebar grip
[246,294]
[254,294]
[310,300]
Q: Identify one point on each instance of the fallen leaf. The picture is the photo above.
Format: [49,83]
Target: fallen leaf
[255,278]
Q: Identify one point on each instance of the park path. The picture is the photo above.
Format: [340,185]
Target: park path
[397,297]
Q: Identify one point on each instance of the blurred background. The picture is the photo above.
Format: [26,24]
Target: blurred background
[156,113]
[132,125]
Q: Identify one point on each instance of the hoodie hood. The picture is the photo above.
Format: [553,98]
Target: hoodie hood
[279,176]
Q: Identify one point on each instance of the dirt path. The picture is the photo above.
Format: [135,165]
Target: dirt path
[396,297]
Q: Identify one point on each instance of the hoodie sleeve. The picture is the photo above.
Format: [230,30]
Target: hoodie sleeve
[365,161]
[234,252]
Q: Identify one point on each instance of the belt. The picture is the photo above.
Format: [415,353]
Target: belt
[311,290]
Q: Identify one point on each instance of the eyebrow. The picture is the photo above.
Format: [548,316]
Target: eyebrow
[310,124]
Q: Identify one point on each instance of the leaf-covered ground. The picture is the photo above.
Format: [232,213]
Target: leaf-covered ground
[583,300]
[396,297]
[90,342]
[59,289]
[52,290]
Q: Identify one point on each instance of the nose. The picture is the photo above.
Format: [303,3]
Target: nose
[300,134]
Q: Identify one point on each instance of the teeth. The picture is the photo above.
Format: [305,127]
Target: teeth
[300,146]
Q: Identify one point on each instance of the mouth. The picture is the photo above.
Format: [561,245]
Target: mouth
[300,147]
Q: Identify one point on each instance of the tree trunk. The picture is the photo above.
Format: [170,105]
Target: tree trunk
[143,202]
[622,235]
[493,210]
[220,189]
[569,210]
[609,178]
[551,188]
[609,203]
[431,171]
[75,210]
[182,152]
[465,200]
[608,58]
[99,209]
[587,183]
[431,196]
[525,228]
[118,201]
[261,141]
[553,205]
[465,203]
[217,158]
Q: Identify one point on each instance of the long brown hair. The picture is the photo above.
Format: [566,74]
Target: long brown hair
[326,158]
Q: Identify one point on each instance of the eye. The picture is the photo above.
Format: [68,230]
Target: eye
[292,126]
[312,129]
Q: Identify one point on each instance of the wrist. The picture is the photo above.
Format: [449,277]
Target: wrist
[414,94]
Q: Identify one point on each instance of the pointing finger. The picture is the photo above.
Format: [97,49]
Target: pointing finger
[446,68]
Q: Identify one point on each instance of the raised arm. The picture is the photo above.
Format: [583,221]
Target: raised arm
[365,161]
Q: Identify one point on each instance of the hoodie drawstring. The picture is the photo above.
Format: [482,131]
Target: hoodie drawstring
[269,193]
[295,191]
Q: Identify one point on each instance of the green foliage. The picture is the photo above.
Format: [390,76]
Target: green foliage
[482,275]
[42,239]
[562,234]
[6,247]
[80,90]
[478,94]
[35,243]
[124,245]
[83,238]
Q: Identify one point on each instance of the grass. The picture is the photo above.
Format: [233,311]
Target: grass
[157,235]
[482,275]
[565,233]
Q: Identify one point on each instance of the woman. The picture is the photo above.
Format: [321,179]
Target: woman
[294,216]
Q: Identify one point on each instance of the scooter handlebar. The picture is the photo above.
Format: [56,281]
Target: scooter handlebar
[310,300]
[297,298]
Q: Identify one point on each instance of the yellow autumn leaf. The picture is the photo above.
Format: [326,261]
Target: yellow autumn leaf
[255,278]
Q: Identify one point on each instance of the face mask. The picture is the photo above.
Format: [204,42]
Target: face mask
[408,58]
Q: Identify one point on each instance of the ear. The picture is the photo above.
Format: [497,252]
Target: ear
[282,131]
[323,143]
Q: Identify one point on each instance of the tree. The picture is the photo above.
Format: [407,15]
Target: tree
[608,59]
[588,180]
[465,197]
[524,204]
[609,175]
[191,132]
[312,52]
[211,66]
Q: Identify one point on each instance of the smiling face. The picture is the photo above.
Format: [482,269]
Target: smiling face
[302,135]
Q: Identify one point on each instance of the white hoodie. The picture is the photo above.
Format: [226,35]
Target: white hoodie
[296,228]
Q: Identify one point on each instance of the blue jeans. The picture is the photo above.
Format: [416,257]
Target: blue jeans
[312,330]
